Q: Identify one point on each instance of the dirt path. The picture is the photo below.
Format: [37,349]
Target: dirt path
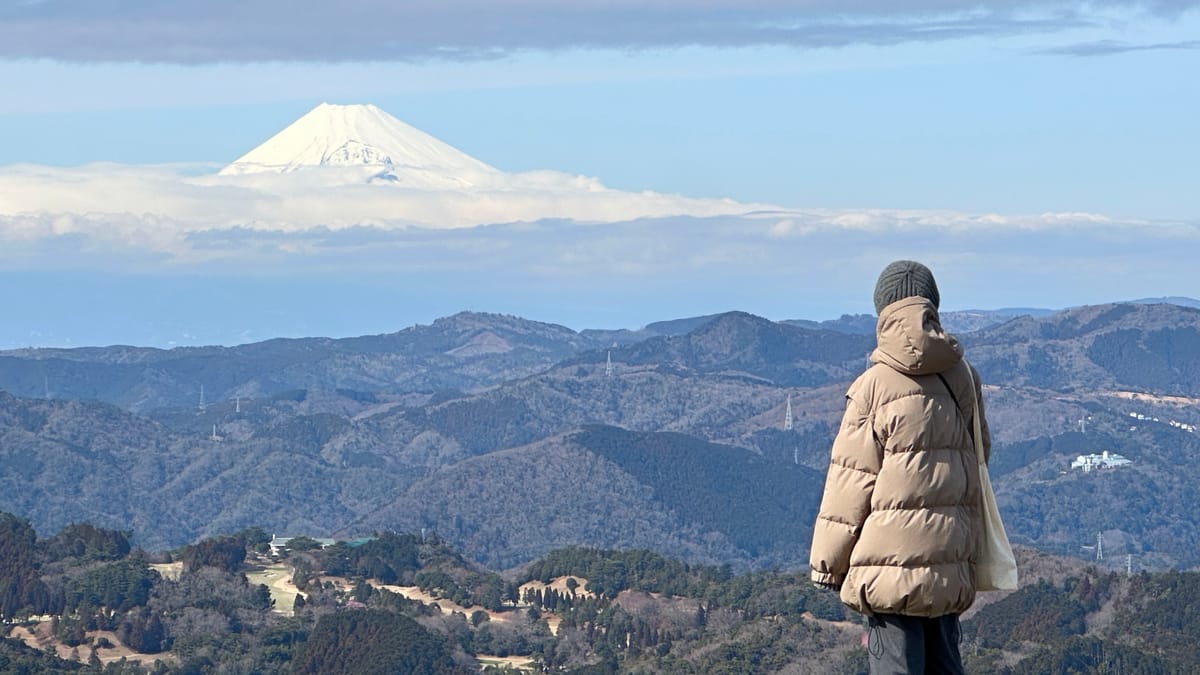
[518,662]
[447,606]
[1151,398]
[41,636]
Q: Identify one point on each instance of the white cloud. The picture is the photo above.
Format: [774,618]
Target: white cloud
[784,228]
[171,213]
[214,276]
[102,200]
[563,243]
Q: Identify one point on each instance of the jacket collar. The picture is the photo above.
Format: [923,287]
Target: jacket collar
[911,340]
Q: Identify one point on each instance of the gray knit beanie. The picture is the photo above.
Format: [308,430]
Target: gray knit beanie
[905,279]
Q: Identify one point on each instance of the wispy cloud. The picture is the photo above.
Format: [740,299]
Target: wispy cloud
[1109,47]
[787,264]
[370,30]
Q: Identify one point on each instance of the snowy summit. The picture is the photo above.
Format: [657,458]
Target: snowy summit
[337,167]
[364,137]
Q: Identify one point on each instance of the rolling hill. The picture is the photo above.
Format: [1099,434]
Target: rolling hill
[512,438]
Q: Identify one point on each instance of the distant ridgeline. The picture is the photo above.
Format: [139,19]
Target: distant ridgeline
[83,601]
[510,438]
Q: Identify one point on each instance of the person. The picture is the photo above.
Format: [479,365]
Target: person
[897,527]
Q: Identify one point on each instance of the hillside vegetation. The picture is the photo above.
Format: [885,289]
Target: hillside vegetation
[512,438]
[407,603]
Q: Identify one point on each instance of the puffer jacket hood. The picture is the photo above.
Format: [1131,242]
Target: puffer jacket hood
[911,339]
[898,525]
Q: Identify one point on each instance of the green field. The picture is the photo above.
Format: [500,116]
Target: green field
[277,579]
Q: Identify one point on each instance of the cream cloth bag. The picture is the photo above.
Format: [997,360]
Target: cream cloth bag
[996,567]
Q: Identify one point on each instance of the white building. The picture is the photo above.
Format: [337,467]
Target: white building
[1105,460]
[279,543]
[1183,426]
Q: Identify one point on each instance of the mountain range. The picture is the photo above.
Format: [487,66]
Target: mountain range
[511,437]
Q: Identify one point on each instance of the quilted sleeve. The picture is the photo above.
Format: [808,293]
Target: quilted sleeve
[854,465]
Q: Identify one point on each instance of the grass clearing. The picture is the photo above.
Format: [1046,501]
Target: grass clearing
[168,570]
[278,580]
[524,663]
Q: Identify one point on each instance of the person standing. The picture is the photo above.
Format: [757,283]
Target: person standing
[896,534]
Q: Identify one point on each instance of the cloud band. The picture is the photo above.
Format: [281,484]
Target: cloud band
[193,32]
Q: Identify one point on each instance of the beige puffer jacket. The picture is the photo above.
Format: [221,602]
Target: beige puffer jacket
[898,520]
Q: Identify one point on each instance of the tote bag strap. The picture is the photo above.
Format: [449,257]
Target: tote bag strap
[978,435]
[975,432]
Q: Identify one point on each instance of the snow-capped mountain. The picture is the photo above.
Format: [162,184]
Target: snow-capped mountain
[338,167]
[364,138]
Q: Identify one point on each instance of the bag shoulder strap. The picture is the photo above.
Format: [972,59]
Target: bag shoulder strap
[974,432]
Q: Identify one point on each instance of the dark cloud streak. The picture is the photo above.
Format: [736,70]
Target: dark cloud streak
[191,32]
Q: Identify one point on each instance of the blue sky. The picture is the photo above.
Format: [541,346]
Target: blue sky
[982,124]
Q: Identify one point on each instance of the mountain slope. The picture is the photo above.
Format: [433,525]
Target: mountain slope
[737,344]
[366,137]
[604,486]
[961,321]
[485,444]
[1150,348]
[463,351]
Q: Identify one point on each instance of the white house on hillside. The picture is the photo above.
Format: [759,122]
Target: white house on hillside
[278,543]
[1105,460]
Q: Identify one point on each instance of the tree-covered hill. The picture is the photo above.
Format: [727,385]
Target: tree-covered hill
[487,458]
[1145,348]
[459,352]
[409,603]
[737,344]
[604,486]
[63,462]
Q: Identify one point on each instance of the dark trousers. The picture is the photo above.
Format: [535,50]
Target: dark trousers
[913,645]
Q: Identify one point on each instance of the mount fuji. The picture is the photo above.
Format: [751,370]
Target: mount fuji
[336,167]
[391,173]
[366,139]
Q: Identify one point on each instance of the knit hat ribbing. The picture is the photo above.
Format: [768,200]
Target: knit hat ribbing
[905,279]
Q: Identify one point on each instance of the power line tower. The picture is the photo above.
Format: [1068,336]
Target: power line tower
[203,405]
[787,416]
[1099,546]
[608,365]
[1128,564]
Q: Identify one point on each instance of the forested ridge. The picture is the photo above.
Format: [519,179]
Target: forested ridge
[511,438]
[84,601]
[611,502]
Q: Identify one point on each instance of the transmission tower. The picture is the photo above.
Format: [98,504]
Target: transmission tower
[202,404]
[608,365]
[1099,546]
[787,416]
